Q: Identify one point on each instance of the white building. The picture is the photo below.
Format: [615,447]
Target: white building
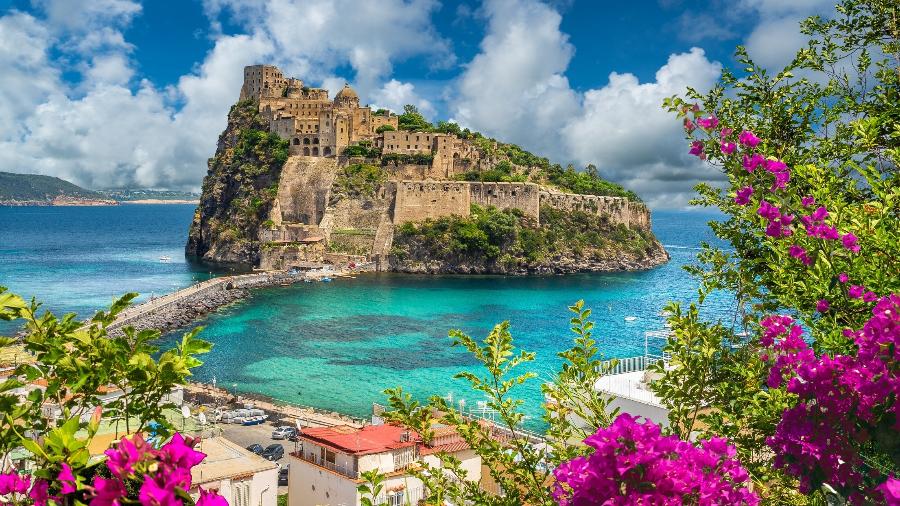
[240,476]
[628,386]
[327,470]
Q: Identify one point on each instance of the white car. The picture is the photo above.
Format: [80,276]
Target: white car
[285,432]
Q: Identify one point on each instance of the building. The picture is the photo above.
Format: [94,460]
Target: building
[240,476]
[314,124]
[327,470]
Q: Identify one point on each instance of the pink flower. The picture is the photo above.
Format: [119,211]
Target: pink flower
[708,123]
[40,492]
[689,125]
[14,483]
[746,138]
[799,253]
[725,132]
[781,180]
[125,455]
[696,149]
[107,492]
[181,454]
[775,166]
[822,306]
[843,277]
[743,196]
[891,491]
[850,242]
[210,498]
[67,479]
[819,214]
[727,147]
[154,494]
[869,296]
[767,210]
[752,162]
[808,201]
[855,291]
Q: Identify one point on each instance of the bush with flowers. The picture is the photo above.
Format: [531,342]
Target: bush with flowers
[76,362]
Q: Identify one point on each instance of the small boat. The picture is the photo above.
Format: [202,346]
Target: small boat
[326,280]
[254,420]
[630,318]
[165,259]
[307,280]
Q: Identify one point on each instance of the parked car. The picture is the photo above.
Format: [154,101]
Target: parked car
[285,432]
[283,475]
[273,452]
[256,448]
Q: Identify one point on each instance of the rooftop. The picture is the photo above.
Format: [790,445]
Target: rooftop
[630,385]
[369,439]
[225,459]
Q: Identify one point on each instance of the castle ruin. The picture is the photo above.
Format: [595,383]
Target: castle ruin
[306,224]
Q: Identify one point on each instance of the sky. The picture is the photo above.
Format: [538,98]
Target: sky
[124,93]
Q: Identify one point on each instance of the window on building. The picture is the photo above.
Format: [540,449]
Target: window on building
[327,455]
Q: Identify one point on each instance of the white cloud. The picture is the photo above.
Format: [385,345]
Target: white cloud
[395,94]
[776,37]
[515,89]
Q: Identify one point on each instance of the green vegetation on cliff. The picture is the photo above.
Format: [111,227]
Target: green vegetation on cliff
[509,239]
[239,189]
[34,187]
[358,179]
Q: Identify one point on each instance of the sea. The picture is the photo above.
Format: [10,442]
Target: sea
[339,345]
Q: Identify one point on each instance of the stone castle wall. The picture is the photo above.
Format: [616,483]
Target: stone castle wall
[523,196]
[420,200]
[618,209]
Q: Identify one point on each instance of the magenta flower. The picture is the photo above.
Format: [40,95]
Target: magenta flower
[14,483]
[843,277]
[746,138]
[727,147]
[107,492]
[822,306]
[855,291]
[754,161]
[819,214]
[808,201]
[743,196]
[125,455]
[708,123]
[210,498]
[689,125]
[181,454]
[781,180]
[633,463]
[799,253]
[775,166]
[869,297]
[40,492]
[725,132]
[767,210]
[155,494]
[67,479]
[891,491]
[696,148]
[850,242]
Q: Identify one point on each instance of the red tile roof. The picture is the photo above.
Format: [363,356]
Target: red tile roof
[454,447]
[369,439]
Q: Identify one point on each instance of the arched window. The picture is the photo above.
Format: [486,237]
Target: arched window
[315,151]
[326,151]
[296,141]
[316,140]
[305,151]
[306,140]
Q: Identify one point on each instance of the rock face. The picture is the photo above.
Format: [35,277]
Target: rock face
[238,191]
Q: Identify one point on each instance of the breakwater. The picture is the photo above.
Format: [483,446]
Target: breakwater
[178,309]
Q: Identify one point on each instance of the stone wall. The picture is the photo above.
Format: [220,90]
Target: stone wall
[303,190]
[618,209]
[523,196]
[419,200]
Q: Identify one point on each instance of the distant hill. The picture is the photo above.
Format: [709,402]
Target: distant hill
[34,187]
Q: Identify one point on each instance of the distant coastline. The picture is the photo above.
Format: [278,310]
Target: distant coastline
[160,201]
[60,202]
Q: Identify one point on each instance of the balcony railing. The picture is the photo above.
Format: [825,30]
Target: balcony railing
[312,459]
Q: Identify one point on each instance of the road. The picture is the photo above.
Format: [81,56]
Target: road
[257,434]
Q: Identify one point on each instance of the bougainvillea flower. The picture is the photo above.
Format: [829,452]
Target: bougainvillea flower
[156,494]
[822,306]
[696,148]
[855,291]
[746,138]
[725,132]
[754,161]
[799,253]
[107,492]
[67,479]
[850,242]
[843,277]
[767,210]
[182,454]
[743,196]
[39,492]
[210,498]
[708,123]
[808,201]
[727,147]
[689,125]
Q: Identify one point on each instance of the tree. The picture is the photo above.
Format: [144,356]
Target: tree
[412,120]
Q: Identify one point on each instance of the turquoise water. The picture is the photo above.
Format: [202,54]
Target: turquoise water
[339,345]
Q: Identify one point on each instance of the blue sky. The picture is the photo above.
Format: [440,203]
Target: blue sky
[126,93]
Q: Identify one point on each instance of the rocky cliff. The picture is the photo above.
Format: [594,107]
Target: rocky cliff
[238,191]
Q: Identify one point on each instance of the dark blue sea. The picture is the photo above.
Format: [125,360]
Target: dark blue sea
[339,345]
